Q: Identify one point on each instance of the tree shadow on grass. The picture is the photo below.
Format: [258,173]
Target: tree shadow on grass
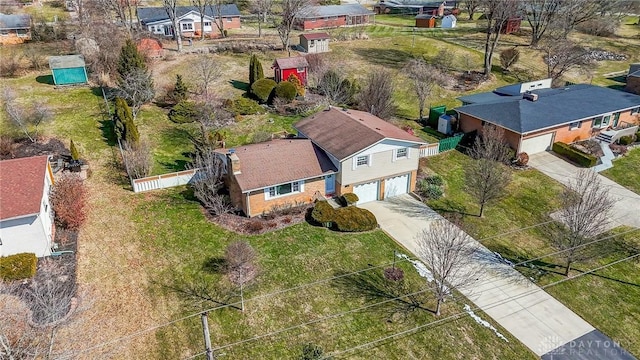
[215,265]
[240,85]
[450,206]
[385,57]
[200,290]
[45,79]
[373,287]
[108,132]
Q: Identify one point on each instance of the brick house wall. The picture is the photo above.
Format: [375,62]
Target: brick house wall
[322,23]
[469,124]
[633,85]
[258,204]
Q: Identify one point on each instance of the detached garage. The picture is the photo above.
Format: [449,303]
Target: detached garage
[366,192]
[68,69]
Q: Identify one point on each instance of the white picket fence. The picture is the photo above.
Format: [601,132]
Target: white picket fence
[163,181]
[429,150]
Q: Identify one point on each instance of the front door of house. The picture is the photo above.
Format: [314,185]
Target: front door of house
[330,184]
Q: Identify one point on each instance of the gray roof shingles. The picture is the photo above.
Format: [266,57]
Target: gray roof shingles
[21,21]
[66,61]
[554,107]
[334,10]
[153,14]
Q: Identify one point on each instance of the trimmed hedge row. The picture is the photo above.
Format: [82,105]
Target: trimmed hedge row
[18,266]
[574,155]
[346,219]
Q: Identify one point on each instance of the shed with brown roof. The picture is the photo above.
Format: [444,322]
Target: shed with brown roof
[315,42]
[285,67]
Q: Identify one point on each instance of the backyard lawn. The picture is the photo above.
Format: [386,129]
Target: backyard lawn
[608,299]
[626,171]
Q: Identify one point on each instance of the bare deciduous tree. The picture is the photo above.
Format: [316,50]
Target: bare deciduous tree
[171,7]
[376,96]
[241,265]
[447,251]
[209,179]
[562,56]
[496,13]
[585,213]
[290,11]
[491,145]
[211,115]
[138,159]
[137,89]
[336,87]
[541,15]
[424,79]
[201,7]
[486,180]
[263,9]
[575,12]
[26,120]
[509,57]
[471,6]
[216,8]
[205,70]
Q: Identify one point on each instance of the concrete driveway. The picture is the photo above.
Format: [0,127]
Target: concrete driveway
[627,203]
[534,317]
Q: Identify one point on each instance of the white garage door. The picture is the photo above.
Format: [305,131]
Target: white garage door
[536,144]
[396,186]
[366,192]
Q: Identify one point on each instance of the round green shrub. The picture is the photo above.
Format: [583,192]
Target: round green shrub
[183,112]
[350,198]
[626,140]
[286,90]
[352,219]
[435,180]
[244,106]
[433,192]
[323,213]
[18,266]
[262,89]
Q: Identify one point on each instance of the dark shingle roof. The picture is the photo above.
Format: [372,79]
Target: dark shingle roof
[345,132]
[315,36]
[634,70]
[334,10]
[153,14]
[279,162]
[291,62]
[21,186]
[554,107]
[21,21]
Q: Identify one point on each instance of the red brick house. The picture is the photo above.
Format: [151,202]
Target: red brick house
[511,25]
[284,67]
[534,116]
[156,20]
[331,16]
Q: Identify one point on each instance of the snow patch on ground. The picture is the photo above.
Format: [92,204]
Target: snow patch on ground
[482,322]
[420,267]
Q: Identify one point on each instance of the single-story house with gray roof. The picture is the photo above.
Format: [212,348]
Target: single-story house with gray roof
[535,119]
[156,20]
[633,79]
[15,29]
[332,16]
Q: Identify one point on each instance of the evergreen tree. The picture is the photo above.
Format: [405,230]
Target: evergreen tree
[75,156]
[180,90]
[130,59]
[131,135]
[255,70]
[124,126]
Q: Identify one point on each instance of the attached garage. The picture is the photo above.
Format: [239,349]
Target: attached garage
[395,186]
[537,144]
[366,192]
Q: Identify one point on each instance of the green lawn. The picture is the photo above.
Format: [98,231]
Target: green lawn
[181,244]
[608,299]
[626,171]
[396,19]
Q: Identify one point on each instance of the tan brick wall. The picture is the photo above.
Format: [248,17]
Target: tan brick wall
[258,204]
[469,124]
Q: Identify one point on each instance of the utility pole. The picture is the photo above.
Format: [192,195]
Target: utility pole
[207,338]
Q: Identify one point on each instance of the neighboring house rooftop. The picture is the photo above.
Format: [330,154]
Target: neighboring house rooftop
[66,61]
[154,14]
[279,162]
[552,108]
[343,133]
[634,70]
[292,62]
[20,21]
[334,10]
[315,36]
[21,186]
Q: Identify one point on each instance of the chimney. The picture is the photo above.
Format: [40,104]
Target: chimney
[530,96]
[234,162]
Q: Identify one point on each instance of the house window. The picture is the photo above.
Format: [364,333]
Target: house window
[401,153]
[300,70]
[601,121]
[4,32]
[229,19]
[284,189]
[207,23]
[362,160]
[312,43]
[187,26]
[575,125]
[635,111]
[152,28]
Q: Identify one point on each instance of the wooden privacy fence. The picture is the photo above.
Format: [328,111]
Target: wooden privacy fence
[163,181]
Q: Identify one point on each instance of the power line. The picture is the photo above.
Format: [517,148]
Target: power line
[454,316]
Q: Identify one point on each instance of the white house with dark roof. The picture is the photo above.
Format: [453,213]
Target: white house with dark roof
[15,29]
[534,116]
[26,217]
[156,20]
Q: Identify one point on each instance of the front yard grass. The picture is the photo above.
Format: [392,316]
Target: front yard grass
[626,171]
[182,243]
[608,299]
